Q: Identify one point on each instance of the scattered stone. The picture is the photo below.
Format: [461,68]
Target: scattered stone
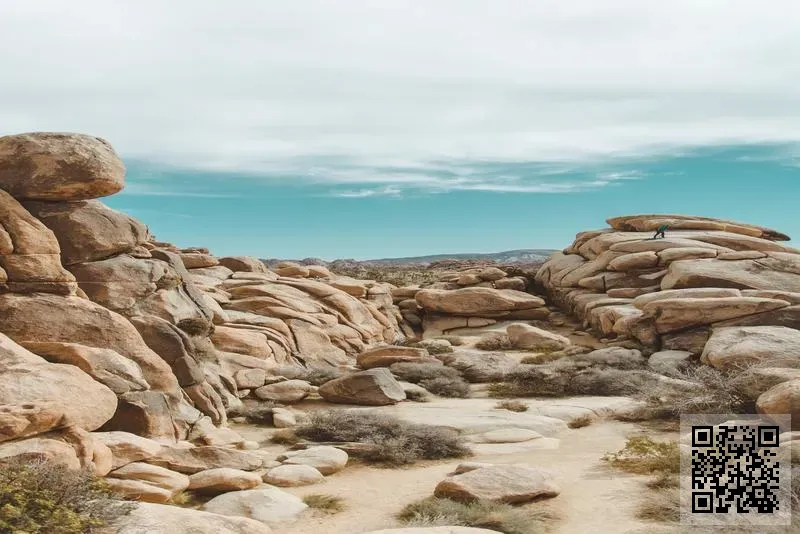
[293,475]
[287,391]
[327,460]
[510,484]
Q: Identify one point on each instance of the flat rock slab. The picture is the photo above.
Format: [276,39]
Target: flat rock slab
[497,449]
[500,483]
[506,435]
[435,530]
[159,518]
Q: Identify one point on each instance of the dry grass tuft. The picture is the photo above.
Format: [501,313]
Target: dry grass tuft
[644,456]
[512,406]
[488,515]
[495,342]
[580,421]
[329,504]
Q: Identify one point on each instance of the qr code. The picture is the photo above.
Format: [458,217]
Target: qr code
[737,468]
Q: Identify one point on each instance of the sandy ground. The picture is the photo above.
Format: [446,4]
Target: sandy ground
[593,499]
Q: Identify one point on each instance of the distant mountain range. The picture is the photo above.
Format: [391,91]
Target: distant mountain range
[508,256]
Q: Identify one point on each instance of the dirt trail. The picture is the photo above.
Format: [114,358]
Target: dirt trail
[593,498]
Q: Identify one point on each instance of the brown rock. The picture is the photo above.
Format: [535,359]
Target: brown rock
[386,356]
[288,391]
[475,301]
[127,448]
[529,337]
[59,166]
[676,314]
[153,475]
[739,346]
[243,264]
[780,400]
[376,387]
[500,483]
[195,459]
[222,480]
[139,491]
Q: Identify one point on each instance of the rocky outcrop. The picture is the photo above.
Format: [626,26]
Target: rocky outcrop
[510,484]
[671,293]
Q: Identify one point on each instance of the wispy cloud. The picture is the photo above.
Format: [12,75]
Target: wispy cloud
[139,189]
[389,190]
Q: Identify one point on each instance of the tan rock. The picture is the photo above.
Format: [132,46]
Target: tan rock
[268,505]
[195,459]
[710,292]
[634,261]
[782,399]
[689,253]
[250,378]
[149,518]
[756,380]
[529,337]
[500,483]
[742,274]
[386,356]
[38,449]
[243,264]
[475,301]
[318,271]
[288,391]
[676,314]
[506,435]
[375,387]
[153,475]
[108,367]
[649,223]
[59,166]
[327,460]
[138,491]
[739,346]
[248,342]
[198,261]
[491,274]
[223,480]
[127,448]
[293,271]
[88,230]
[285,476]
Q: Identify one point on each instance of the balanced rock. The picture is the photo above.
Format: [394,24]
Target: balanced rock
[510,484]
[59,166]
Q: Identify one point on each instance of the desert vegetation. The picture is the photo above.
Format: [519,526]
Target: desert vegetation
[437,379]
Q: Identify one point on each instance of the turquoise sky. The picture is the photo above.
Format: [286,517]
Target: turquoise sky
[454,207]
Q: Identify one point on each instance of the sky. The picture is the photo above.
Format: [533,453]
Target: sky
[356,129]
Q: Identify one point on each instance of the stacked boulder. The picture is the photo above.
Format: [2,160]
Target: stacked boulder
[118,349]
[712,288]
[470,298]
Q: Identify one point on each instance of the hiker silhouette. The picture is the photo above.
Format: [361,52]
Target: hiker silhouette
[660,231]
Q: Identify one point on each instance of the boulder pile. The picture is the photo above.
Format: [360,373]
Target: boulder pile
[125,354]
[725,292]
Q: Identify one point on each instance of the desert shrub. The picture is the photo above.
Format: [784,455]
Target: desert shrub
[439,349]
[662,506]
[444,386]
[327,503]
[417,395]
[512,406]
[545,357]
[644,456]
[488,515]
[286,436]
[43,497]
[495,342]
[580,421]
[313,375]
[395,442]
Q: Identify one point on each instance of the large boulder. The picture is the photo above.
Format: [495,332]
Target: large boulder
[154,475]
[741,274]
[59,166]
[675,314]
[269,505]
[287,391]
[243,264]
[127,448]
[149,518]
[479,366]
[524,336]
[191,460]
[650,223]
[510,484]
[476,301]
[69,395]
[434,530]
[327,460]
[222,480]
[375,387]
[739,346]
[293,475]
[88,230]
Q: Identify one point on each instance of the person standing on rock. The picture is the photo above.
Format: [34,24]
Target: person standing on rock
[660,231]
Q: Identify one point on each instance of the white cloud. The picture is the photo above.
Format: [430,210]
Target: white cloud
[269,85]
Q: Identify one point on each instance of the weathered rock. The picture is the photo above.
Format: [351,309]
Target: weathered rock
[222,480]
[108,367]
[649,223]
[434,530]
[288,391]
[669,361]
[293,475]
[782,399]
[634,261]
[127,448]
[153,475]
[754,381]
[243,264]
[617,357]
[738,346]
[270,506]
[501,483]
[475,301]
[466,467]
[375,387]
[386,356]
[67,393]
[742,274]
[529,337]
[195,459]
[327,460]
[89,230]
[250,342]
[138,491]
[679,313]
[149,518]
[59,166]
[250,378]
[194,260]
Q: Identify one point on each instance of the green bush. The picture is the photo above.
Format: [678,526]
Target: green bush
[644,456]
[436,378]
[394,441]
[41,497]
